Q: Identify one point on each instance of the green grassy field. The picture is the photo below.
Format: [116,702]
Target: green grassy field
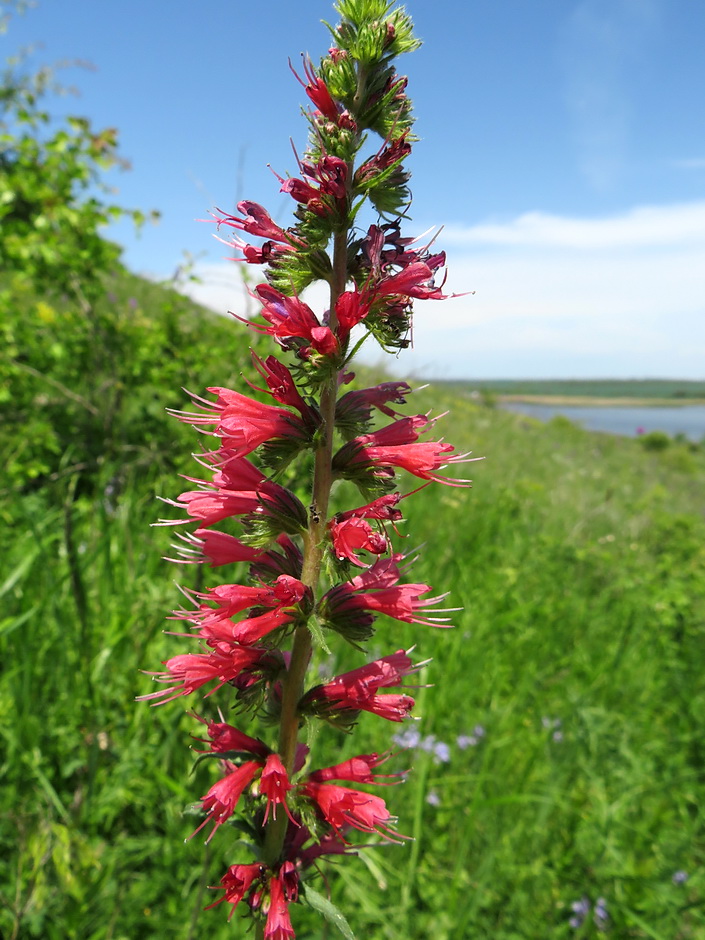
[569,695]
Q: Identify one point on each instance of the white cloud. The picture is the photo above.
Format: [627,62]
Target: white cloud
[222,287]
[555,296]
[644,226]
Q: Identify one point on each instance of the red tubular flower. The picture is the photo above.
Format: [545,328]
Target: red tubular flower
[237,882]
[243,423]
[274,784]
[223,737]
[397,445]
[254,629]
[350,309]
[216,548]
[256,221]
[281,386]
[356,769]
[421,459]
[239,489]
[231,599]
[342,807]
[222,798]
[358,689]
[216,626]
[403,431]
[392,152]
[382,508]
[415,280]
[355,407]
[353,535]
[376,589]
[317,90]
[234,492]
[190,671]
[283,888]
[290,317]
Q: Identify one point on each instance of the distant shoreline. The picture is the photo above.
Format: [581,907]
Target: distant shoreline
[594,401]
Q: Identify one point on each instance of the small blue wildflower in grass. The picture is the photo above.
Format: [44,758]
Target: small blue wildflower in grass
[600,914]
[679,877]
[433,799]
[557,736]
[429,743]
[580,911]
[441,752]
[464,741]
[408,738]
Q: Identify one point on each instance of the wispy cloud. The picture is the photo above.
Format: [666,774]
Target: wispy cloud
[691,163]
[599,45]
[642,226]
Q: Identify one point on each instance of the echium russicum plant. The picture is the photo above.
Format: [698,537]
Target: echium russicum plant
[317,573]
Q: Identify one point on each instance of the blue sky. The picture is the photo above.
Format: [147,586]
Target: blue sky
[562,147]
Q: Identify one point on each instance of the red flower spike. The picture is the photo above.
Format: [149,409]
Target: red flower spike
[245,631]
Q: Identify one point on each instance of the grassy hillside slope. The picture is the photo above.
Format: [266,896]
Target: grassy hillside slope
[569,694]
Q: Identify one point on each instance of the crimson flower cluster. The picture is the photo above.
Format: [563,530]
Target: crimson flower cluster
[263,499]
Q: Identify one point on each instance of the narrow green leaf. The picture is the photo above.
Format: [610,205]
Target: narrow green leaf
[328,910]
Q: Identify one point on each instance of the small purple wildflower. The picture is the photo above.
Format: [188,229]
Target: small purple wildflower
[580,910]
[679,877]
[600,914]
[429,743]
[441,752]
[465,741]
[433,799]
[557,736]
[408,738]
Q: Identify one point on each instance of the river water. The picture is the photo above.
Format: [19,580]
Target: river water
[621,419]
